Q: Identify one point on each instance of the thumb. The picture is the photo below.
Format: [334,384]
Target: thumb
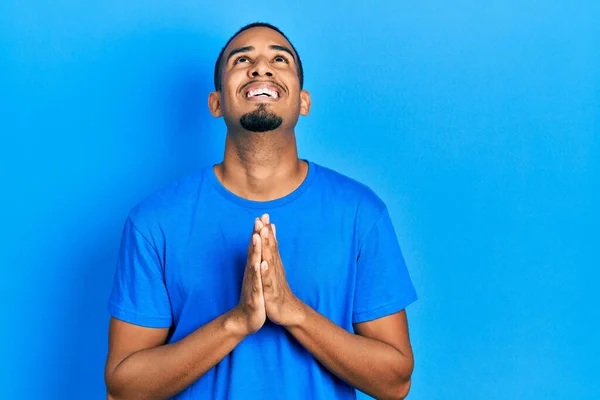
[256,250]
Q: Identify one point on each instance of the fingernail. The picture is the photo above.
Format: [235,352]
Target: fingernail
[267,218]
[254,240]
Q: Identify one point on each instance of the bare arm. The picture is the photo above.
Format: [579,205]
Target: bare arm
[141,366]
[377,361]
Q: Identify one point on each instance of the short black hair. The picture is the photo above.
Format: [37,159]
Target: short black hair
[249,26]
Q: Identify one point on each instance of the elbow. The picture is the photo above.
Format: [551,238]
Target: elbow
[402,383]
[400,387]
[395,391]
[113,386]
[115,392]
[110,385]
[110,396]
[110,391]
[401,390]
[398,391]
[119,388]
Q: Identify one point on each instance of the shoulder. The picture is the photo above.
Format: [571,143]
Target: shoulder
[349,188]
[348,192]
[168,202]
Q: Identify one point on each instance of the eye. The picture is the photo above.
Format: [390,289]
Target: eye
[281,58]
[240,59]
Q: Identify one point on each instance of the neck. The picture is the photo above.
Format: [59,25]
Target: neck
[261,166]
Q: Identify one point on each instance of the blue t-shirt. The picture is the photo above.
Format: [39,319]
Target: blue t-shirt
[182,260]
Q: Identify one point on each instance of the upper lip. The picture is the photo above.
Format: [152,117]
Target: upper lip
[276,86]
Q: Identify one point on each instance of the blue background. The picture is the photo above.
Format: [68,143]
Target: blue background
[477,122]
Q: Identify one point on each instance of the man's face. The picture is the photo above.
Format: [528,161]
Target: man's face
[260,85]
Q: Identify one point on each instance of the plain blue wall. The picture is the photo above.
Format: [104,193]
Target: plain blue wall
[477,122]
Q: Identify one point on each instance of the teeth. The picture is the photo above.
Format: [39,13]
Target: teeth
[259,91]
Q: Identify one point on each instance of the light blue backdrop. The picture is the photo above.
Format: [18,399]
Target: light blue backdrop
[477,122]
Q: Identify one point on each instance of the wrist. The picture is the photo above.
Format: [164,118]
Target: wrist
[297,312]
[234,323]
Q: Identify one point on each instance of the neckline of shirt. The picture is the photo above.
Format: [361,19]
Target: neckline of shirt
[212,177]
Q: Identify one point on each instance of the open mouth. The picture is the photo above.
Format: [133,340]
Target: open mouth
[263,92]
[258,91]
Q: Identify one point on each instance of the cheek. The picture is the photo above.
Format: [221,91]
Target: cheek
[294,91]
[231,102]
[231,84]
[230,99]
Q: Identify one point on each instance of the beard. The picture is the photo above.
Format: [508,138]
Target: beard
[260,120]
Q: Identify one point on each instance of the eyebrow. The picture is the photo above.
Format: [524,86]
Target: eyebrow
[284,49]
[251,48]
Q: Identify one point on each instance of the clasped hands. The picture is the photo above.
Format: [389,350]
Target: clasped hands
[265,291]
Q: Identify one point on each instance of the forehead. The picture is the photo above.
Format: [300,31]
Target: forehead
[258,37]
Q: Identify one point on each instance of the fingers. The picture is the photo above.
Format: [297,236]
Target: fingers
[269,237]
[264,235]
[256,253]
[265,218]
[258,225]
[267,254]
[266,276]
[264,221]
[258,284]
[253,268]
[256,278]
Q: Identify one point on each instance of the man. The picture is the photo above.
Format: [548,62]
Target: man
[265,276]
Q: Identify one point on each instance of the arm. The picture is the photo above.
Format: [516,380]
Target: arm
[378,360]
[141,366]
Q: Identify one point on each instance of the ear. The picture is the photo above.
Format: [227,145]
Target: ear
[304,102]
[214,104]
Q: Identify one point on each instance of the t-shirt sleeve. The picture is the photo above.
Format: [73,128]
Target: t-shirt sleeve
[383,284]
[139,295]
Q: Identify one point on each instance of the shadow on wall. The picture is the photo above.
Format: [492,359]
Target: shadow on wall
[189,138]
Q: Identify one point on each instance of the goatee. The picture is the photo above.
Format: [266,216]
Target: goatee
[260,120]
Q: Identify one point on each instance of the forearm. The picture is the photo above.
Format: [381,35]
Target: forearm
[163,371]
[373,367]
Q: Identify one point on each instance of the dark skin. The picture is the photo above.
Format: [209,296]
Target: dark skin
[141,366]
[377,359]
[260,166]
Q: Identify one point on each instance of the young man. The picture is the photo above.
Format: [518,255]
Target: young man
[265,276]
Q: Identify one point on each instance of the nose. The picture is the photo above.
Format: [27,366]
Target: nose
[261,67]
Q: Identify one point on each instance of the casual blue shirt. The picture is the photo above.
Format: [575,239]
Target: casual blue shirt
[182,260]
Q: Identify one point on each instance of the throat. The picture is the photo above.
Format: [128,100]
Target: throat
[262,183]
[261,166]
